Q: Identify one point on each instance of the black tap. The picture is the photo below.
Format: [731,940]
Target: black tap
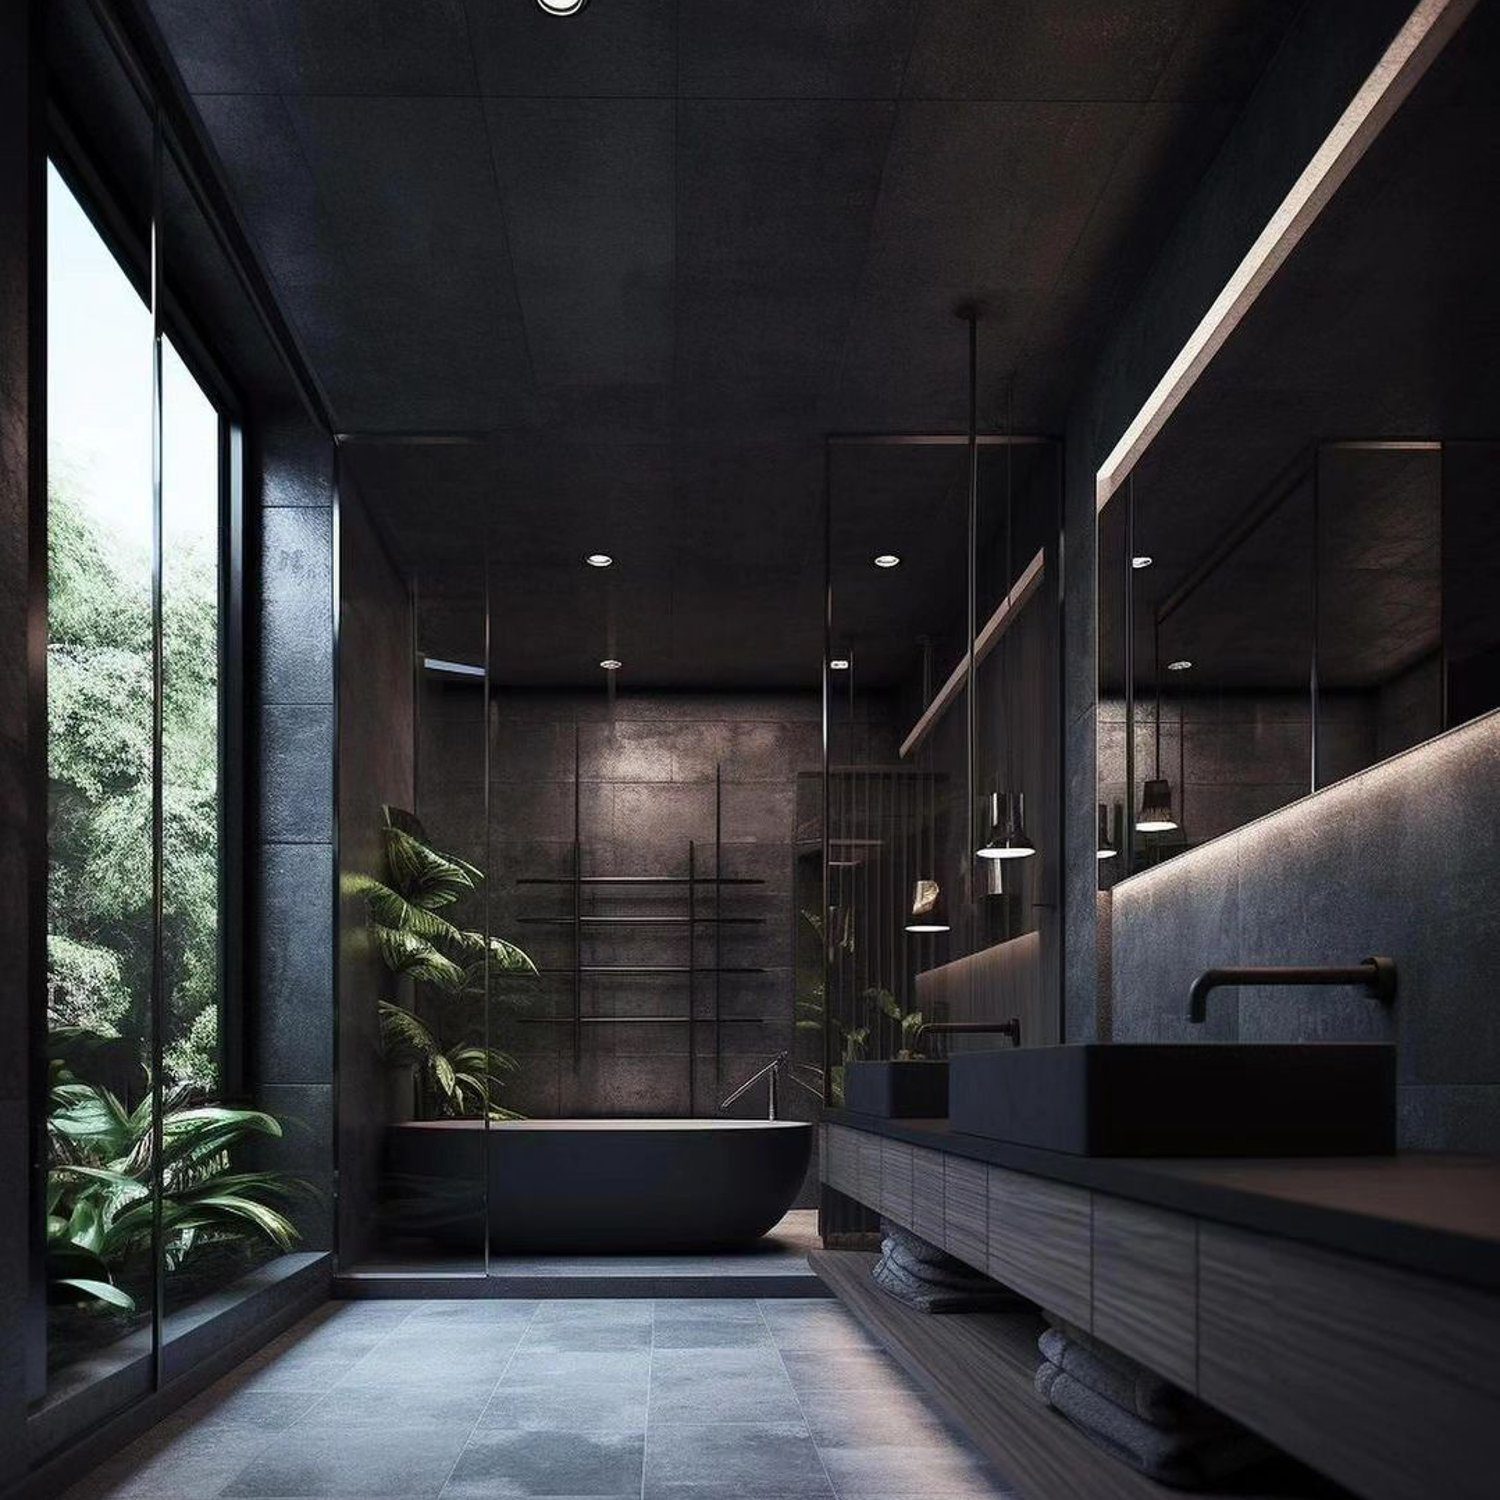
[1010,1028]
[1377,975]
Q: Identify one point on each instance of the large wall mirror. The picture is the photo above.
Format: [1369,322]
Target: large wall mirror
[1298,575]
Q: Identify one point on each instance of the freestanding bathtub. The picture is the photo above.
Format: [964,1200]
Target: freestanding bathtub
[603,1186]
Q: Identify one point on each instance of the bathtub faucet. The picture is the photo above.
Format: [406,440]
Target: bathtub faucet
[772,1073]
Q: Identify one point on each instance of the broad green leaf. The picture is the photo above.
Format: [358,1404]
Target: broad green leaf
[103,1291]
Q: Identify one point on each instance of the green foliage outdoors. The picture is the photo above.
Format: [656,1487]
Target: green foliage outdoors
[99,909]
[99,770]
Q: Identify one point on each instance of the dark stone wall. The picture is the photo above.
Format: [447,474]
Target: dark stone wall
[289,1001]
[18,817]
[1327,53]
[376,766]
[646,767]
[1398,860]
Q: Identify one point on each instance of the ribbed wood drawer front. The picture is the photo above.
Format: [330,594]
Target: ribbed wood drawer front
[843,1160]
[1039,1241]
[1146,1286]
[868,1190]
[927,1195]
[964,1209]
[1384,1379]
[895,1181]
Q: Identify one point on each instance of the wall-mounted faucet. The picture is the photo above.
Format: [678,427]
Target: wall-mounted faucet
[1376,975]
[1010,1028]
[771,1072]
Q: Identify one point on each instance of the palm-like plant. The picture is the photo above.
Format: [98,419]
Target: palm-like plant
[100,1208]
[417,941]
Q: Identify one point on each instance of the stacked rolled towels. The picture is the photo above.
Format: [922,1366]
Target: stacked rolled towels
[1139,1417]
[925,1277]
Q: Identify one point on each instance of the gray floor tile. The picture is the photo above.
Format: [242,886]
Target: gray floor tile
[552,1463]
[175,1464]
[234,1406]
[691,1309]
[732,1463]
[559,1337]
[865,1418]
[583,1366]
[710,1333]
[481,1310]
[595,1310]
[844,1370]
[809,1324]
[377,1462]
[440,1404]
[557,1404]
[707,1365]
[936,1473]
[727,1398]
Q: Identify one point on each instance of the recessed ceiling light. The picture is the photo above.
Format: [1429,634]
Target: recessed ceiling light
[611,665]
[1179,666]
[562,7]
[1141,562]
[598,559]
[839,664]
[887,560]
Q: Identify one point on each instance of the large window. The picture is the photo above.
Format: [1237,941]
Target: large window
[153,1197]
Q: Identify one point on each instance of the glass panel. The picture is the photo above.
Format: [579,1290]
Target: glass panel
[899,864]
[1222,722]
[99,888]
[1380,602]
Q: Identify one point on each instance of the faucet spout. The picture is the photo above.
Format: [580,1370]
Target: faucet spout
[772,1073]
[1376,976]
[1010,1028]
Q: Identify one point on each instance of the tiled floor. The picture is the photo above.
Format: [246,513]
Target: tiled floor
[666,1400]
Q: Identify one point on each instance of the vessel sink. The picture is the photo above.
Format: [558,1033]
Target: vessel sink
[1207,1099]
[902,1089]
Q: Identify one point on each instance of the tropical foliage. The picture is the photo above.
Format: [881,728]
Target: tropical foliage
[454,972]
[100,1209]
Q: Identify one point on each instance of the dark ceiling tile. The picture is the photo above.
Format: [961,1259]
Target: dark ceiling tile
[626,47]
[841,49]
[1038,49]
[588,187]
[424,315]
[320,46]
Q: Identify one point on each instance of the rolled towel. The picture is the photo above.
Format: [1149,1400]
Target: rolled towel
[1185,1458]
[914,1248]
[1118,1377]
[954,1274]
[914,1292]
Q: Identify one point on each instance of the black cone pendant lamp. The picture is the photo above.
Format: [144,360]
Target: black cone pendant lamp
[1156,815]
[1006,838]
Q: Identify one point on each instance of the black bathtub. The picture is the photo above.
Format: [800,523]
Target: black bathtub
[602,1186]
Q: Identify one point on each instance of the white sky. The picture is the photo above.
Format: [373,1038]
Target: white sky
[99,395]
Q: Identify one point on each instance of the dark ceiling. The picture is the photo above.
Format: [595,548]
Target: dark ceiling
[650,254]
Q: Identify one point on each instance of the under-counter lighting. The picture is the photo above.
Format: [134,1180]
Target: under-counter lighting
[1179,666]
[1141,562]
[887,560]
[599,560]
[611,665]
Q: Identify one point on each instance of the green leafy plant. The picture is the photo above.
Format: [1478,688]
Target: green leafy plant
[450,966]
[100,1209]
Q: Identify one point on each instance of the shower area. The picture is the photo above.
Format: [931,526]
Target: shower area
[568,926]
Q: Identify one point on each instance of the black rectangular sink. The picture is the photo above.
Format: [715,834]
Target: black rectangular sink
[906,1089]
[1210,1099]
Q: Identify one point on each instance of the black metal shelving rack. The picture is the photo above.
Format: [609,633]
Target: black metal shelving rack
[578,920]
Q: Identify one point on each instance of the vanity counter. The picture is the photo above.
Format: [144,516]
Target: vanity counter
[1429,1212]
